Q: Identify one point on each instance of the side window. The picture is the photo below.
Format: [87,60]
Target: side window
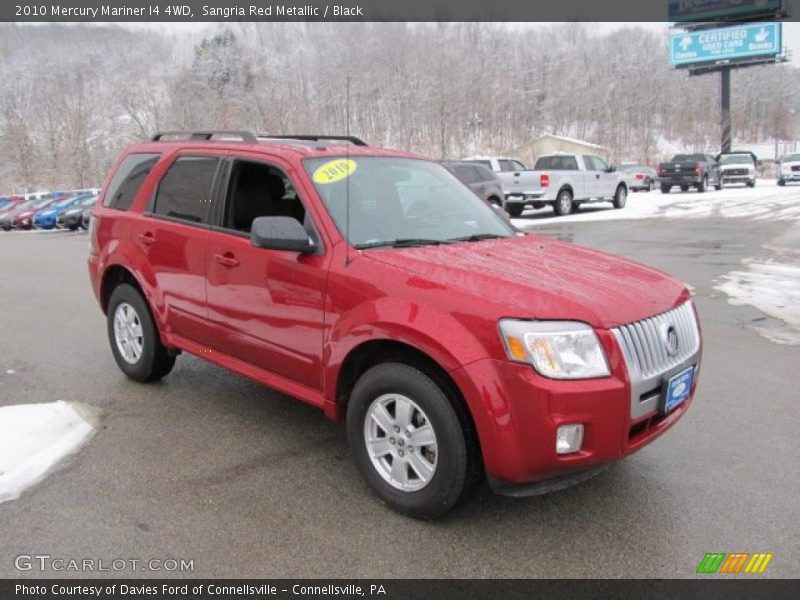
[588,162]
[518,166]
[599,163]
[260,190]
[506,165]
[465,173]
[129,177]
[570,164]
[185,190]
[484,163]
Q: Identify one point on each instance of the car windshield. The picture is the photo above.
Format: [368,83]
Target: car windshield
[792,158]
[87,201]
[385,201]
[689,157]
[736,159]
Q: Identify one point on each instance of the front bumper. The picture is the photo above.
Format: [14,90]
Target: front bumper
[793,176]
[517,413]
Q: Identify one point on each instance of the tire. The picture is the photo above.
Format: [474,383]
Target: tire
[703,185]
[751,184]
[563,204]
[718,186]
[74,227]
[153,361]
[514,210]
[684,188]
[451,461]
[665,189]
[781,182]
[620,197]
[495,201]
[651,186]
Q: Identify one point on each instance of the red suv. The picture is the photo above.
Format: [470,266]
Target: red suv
[377,287]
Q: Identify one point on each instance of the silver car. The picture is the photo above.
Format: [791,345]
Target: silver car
[639,178]
[479,179]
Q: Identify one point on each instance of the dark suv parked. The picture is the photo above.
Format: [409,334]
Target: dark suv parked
[479,179]
[375,286]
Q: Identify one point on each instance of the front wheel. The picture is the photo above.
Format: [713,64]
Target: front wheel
[781,182]
[620,197]
[563,204]
[412,441]
[134,337]
[751,183]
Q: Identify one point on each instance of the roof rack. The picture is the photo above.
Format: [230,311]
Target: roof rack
[251,138]
[247,136]
[317,138]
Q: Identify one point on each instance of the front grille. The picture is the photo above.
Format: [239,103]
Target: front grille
[796,168]
[735,172]
[645,349]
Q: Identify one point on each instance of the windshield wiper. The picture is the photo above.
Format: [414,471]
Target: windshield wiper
[402,243]
[477,237]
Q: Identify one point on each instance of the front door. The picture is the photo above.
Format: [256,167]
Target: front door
[266,305]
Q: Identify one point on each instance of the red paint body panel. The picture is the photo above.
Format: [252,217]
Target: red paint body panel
[290,321]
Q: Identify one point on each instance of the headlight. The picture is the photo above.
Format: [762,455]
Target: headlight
[556,349]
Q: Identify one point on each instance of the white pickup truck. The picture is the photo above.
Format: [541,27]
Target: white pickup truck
[564,181]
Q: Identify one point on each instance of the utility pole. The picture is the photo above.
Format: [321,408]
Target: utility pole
[725,85]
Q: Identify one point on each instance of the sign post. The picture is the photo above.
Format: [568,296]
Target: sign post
[722,35]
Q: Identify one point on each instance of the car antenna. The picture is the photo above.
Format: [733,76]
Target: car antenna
[347,179]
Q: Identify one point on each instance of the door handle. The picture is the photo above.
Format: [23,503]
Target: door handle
[227,259]
[516,174]
[147,238]
[597,176]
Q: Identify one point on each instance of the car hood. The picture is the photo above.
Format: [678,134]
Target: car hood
[540,278]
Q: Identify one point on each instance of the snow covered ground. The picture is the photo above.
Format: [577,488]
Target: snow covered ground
[766,201]
[774,289]
[33,439]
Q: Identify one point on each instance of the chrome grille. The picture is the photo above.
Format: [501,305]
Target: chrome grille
[643,345]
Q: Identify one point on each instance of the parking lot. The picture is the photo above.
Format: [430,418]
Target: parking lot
[212,467]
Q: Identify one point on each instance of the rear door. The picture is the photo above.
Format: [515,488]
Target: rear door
[172,235]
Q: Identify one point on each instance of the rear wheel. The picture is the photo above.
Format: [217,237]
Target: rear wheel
[665,189]
[563,204]
[134,337]
[703,185]
[620,197]
[684,188]
[410,441]
[514,210]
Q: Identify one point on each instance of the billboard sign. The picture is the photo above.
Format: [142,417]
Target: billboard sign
[725,44]
[688,11]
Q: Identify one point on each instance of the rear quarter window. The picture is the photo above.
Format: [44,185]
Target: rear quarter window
[129,177]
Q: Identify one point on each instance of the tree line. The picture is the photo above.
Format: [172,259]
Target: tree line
[74,95]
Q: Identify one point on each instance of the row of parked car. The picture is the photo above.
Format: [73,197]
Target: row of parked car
[63,210]
[566,180]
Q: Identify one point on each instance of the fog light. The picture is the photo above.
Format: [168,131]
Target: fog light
[569,439]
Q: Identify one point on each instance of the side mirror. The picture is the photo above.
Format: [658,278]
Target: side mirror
[281,233]
[611,169]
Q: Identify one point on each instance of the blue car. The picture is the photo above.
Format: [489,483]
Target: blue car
[46,218]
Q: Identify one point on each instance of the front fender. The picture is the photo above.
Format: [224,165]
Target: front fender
[392,319]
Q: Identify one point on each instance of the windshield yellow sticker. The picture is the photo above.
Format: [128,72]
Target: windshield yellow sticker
[334,170]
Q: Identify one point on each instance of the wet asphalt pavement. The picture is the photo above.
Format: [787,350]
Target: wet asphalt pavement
[211,467]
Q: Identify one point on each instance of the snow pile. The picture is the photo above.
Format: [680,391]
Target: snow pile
[774,289]
[33,438]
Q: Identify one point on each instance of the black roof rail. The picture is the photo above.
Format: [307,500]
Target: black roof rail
[317,138]
[247,136]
